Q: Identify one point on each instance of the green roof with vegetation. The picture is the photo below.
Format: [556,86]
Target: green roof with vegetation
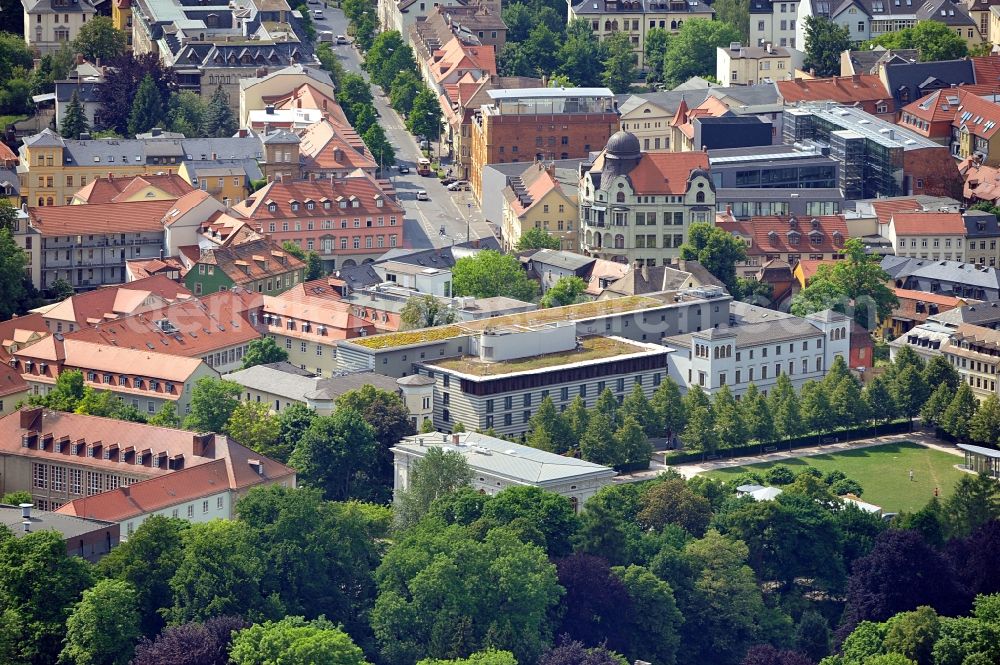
[590,348]
[576,312]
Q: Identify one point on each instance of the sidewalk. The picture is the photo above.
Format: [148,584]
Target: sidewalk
[694,468]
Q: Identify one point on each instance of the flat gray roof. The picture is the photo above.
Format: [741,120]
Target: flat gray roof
[979,450]
[68,526]
[521,464]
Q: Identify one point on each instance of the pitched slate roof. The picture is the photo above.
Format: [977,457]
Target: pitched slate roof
[910,81]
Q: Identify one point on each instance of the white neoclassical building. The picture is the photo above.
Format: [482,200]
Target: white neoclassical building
[497,464]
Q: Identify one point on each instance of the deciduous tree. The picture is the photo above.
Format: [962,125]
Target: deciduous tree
[855,286]
[825,41]
[730,429]
[39,584]
[252,425]
[425,311]
[546,429]
[669,407]
[212,403]
[717,250]
[957,418]
[932,39]
[437,473]
[537,238]
[671,501]
[598,443]
[263,351]
[295,641]
[104,626]
[985,426]
[551,514]
[692,52]
[190,643]
[98,39]
[337,455]
[13,262]
[566,291]
[147,561]
[619,63]
[488,274]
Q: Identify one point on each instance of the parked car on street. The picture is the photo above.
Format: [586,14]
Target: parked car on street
[422,196]
[459,185]
[447,180]
[404,169]
[341,39]
[317,14]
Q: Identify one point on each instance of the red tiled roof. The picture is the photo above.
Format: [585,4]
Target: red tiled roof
[928,223]
[925,296]
[809,267]
[6,154]
[307,96]
[110,302]
[231,471]
[251,261]
[142,268]
[980,117]
[772,235]
[362,189]
[11,381]
[115,190]
[99,218]
[884,210]
[935,107]
[843,89]
[122,434]
[987,70]
[666,172]
[18,329]
[331,145]
[216,321]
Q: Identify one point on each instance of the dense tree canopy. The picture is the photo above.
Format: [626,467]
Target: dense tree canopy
[488,274]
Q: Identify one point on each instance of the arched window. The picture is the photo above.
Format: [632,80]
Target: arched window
[699,197]
[620,197]
[49,201]
[619,241]
[673,25]
[41,201]
[607,26]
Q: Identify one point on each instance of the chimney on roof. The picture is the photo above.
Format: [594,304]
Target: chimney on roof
[26,511]
[269,109]
[155,131]
[111,176]
[200,444]
[30,418]
[454,439]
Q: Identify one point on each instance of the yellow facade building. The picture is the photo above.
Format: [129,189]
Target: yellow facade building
[536,199]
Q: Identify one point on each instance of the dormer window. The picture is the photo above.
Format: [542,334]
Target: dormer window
[310,205]
[326,205]
[355,204]
[343,204]
[295,206]
[793,237]
[272,207]
[378,203]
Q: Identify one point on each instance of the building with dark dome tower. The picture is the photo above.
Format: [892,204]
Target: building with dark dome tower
[637,207]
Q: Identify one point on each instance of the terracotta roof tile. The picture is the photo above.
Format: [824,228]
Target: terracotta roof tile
[122,434]
[928,223]
[242,262]
[214,322]
[115,190]
[844,89]
[809,267]
[979,116]
[330,145]
[884,210]
[666,172]
[925,296]
[99,218]
[11,381]
[233,471]
[118,300]
[772,235]
[362,188]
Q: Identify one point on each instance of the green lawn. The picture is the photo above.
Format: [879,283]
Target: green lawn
[883,472]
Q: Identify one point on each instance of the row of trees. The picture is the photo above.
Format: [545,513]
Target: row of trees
[838,401]
[392,66]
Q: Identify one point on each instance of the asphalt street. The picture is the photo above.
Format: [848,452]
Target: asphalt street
[454,212]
